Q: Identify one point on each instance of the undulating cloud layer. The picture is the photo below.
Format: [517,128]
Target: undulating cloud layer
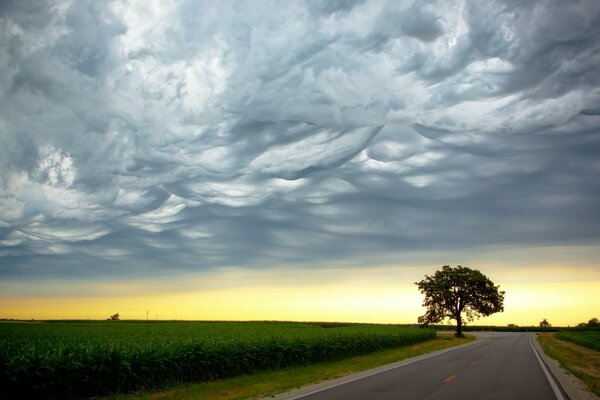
[139,137]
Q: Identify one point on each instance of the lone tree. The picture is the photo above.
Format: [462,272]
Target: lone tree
[455,291]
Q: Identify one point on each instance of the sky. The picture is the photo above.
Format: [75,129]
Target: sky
[298,160]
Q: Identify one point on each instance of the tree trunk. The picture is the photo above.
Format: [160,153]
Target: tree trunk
[459,326]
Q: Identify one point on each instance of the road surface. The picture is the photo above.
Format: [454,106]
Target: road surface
[497,366]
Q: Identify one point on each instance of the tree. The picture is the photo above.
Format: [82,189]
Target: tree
[456,290]
[114,317]
[594,322]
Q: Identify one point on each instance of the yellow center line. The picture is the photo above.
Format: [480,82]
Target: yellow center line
[450,379]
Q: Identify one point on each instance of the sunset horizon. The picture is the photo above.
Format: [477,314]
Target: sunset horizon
[382,294]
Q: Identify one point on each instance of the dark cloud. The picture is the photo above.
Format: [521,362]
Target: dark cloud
[139,140]
[420,23]
[328,7]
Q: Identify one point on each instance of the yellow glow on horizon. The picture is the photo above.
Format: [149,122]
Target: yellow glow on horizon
[258,303]
[562,303]
[377,295]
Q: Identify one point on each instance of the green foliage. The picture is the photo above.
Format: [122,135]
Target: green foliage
[84,359]
[587,338]
[453,291]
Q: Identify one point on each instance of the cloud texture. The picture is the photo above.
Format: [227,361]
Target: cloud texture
[139,137]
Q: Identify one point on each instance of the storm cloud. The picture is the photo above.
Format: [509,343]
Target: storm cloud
[141,137]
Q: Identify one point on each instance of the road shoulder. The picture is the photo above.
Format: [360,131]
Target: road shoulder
[573,386]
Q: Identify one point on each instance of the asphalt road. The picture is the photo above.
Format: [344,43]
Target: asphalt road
[497,366]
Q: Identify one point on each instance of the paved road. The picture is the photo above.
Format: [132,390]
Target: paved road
[497,366]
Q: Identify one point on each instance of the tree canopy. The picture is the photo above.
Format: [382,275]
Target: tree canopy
[456,291]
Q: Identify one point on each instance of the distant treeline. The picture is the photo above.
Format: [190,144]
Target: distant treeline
[514,328]
[439,327]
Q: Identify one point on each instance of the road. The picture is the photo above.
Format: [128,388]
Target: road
[497,366]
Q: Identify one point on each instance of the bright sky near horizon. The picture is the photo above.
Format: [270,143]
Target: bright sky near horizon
[298,160]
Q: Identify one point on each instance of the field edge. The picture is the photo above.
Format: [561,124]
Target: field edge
[272,383]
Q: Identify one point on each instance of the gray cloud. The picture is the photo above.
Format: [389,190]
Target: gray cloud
[140,140]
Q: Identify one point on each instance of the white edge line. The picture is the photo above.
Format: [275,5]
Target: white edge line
[385,370]
[555,389]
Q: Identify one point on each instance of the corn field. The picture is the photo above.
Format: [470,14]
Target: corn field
[86,359]
[586,338]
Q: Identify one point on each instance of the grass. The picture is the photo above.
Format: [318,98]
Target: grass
[264,384]
[581,361]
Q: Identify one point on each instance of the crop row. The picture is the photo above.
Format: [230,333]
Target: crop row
[48,366]
[589,339]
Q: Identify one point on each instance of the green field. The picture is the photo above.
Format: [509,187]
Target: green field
[84,359]
[589,339]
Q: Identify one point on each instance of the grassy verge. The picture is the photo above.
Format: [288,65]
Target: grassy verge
[582,362]
[273,382]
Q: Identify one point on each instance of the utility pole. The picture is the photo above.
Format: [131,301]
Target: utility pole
[147,311]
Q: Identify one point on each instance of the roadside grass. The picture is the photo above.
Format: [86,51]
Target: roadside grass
[582,362]
[269,383]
